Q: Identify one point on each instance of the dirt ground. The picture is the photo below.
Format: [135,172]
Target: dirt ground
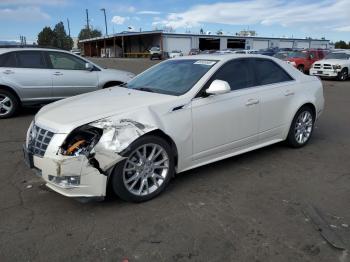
[245,208]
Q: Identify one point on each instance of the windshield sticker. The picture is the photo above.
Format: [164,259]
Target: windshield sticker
[205,62]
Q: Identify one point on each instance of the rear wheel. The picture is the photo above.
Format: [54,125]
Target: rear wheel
[301,128]
[301,68]
[146,171]
[343,75]
[9,104]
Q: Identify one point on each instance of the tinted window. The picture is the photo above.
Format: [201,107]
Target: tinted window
[66,61]
[237,73]
[268,72]
[30,59]
[8,60]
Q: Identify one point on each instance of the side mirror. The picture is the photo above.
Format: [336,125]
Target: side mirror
[89,66]
[218,87]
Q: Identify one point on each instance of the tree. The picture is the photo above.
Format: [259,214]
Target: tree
[61,39]
[87,33]
[55,38]
[46,37]
[342,45]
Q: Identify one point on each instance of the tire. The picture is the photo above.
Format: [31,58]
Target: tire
[343,75]
[302,124]
[9,104]
[132,176]
[301,68]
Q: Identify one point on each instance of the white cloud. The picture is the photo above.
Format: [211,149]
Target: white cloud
[149,12]
[119,20]
[23,14]
[343,29]
[333,13]
[32,2]
[122,8]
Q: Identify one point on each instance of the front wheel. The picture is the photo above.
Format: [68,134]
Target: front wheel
[146,171]
[301,128]
[343,75]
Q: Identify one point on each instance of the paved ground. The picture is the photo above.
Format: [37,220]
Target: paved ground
[246,208]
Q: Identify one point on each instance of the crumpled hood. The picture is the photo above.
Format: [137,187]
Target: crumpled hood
[333,61]
[65,115]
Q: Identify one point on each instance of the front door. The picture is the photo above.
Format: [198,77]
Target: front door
[222,123]
[69,75]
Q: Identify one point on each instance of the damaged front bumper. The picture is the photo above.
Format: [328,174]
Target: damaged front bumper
[85,175]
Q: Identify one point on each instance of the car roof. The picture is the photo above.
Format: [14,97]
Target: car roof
[11,49]
[222,57]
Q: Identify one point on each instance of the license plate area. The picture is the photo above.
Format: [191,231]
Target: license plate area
[320,72]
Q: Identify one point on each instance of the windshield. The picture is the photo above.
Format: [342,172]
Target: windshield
[337,56]
[173,77]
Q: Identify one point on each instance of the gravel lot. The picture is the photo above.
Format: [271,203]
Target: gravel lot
[246,208]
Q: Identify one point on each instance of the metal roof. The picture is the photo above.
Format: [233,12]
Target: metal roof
[197,35]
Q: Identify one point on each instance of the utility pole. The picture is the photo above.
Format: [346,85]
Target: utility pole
[104,12]
[68,27]
[87,20]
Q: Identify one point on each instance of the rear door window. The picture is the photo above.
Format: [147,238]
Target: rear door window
[30,59]
[8,60]
[268,72]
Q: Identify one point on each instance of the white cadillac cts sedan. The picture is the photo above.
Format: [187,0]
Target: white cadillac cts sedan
[178,115]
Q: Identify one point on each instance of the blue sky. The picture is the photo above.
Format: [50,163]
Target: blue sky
[277,18]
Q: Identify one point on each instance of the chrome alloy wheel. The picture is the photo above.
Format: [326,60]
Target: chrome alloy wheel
[146,169]
[303,127]
[6,105]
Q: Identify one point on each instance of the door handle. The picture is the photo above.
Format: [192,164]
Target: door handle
[252,101]
[288,93]
[58,74]
[8,72]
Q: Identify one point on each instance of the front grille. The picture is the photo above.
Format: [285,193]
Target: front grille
[39,139]
[327,66]
[317,66]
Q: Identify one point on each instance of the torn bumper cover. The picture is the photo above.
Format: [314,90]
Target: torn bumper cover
[84,170]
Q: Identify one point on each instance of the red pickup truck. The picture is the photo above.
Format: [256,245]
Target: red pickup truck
[302,60]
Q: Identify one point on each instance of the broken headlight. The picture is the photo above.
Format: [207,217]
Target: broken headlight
[81,141]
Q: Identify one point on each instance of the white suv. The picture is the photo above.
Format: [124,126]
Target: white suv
[334,65]
[30,76]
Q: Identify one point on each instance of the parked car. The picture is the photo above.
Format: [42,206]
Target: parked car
[156,52]
[246,51]
[180,114]
[226,51]
[269,51]
[175,53]
[302,60]
[194,51]
[76,51]
[30,76]
[206,52]
[334,65]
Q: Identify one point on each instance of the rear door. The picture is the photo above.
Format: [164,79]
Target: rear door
[69,76]
[276,93]
[27,71]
